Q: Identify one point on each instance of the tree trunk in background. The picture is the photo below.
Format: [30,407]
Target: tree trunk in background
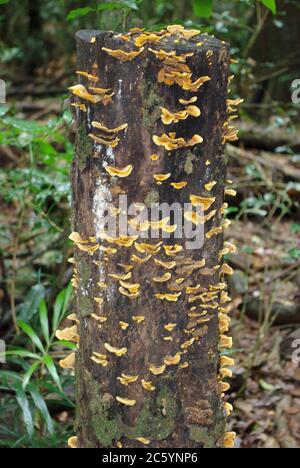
[182,407]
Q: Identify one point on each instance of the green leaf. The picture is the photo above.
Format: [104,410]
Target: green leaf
[110,6]
[65,344]
[43,313]
[203,8]
[42,407]
[32,301]
[25,408]
[29,373]
[80,12]
[294,253]
[32,335]
[3,2]
[61,306]
[49,363]
[271,4]
[22,353]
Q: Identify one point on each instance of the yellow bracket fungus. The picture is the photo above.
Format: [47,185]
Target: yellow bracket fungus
[122,54]
[100,359]
[226,342]
[157,370]
[168,297]
[117,351]
[206,203]
[138,318]
[126,401]
[68,334]
[88,76]
[172,360]
[99,318]
[129,294]
[113,143]
[72,442]
[68,362]
[147,39]
[128,379]
[162,279]
[143,441]
[148,385]
[190,101]
[188,344]
[179,185]
[162,177]
[170,326]
[227,270]
[99,126]
[163,55]
[124,325]
[229,440]
[172,250]
[170,142]
[169,117]
[140,260]
[119,172]
[81,92]
[208,187]
[125,277]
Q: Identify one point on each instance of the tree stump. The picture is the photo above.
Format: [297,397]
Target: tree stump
[151,112]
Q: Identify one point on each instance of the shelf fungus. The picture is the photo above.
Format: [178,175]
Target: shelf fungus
[124,325]
[122,54]
[230,192]
[170,142]
[166,265]
[100,359]
[162,279]
[157,370]
[138,319]
[137,259]
[119,172]
[99,318]
[226,270]
[122,241]
[172,250]
[88,76]
[81,92]
[206,203]
[188,344]
[147,385]
[126,401]
[72,442]
[143,440]
[124,277]
[168,297]
[145,38]
[68,362]
[225,342]
[162,177]
[190,101]
[224,323]
[117,351]
[210,185]
[179,185]
[68,334]
[170,326]
[229,440]
[128,293]
[169,117]
[127,379]
[172,360]
[164,55]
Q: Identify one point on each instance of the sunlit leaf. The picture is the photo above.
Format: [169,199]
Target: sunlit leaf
[43,313]
[80,12]
[203,8]
[32,335]
[271,4]
[49,363]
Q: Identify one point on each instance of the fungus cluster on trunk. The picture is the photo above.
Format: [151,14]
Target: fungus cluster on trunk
[175,276]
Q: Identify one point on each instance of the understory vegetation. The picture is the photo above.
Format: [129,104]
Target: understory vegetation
[37,55]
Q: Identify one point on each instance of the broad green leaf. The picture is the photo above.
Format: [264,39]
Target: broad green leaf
[132,4]
[42,407]
[29,373]
[65,344]
[31,303]
[3,2]
[25,408]
[61,306]
[271,4]
[109,6]
[203,8]
[32,335]
[79,12]
[22,353]
[43,313]
[49,363]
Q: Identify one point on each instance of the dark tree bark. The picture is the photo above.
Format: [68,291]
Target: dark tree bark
[182,407]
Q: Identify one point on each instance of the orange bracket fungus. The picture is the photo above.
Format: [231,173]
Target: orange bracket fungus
[151,309]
